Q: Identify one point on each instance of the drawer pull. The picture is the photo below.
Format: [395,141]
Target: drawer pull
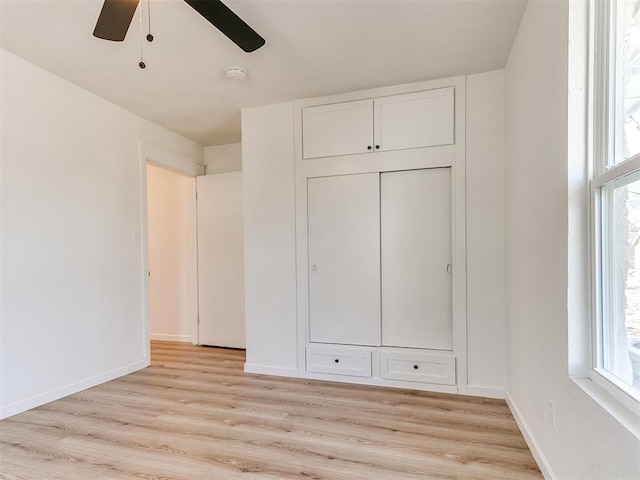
[337,361]
[415,367]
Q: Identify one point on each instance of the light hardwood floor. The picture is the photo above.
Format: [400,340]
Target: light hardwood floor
[195,415]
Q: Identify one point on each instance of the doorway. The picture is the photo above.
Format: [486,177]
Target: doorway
[192,240]
[172,255]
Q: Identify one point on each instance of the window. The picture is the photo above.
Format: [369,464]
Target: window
[616,197]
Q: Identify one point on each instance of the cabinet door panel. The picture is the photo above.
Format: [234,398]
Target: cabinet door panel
[419,119]
[337,129]
[416,250]
[344,259]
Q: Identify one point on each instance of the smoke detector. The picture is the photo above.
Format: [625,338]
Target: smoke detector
[236,74]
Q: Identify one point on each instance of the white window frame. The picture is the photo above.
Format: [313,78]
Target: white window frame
[602,146]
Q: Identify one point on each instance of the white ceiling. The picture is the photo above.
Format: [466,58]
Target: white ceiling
[314,47]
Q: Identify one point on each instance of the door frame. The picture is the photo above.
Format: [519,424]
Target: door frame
[190,167]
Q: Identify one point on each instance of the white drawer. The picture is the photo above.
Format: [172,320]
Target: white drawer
[340,361]
[419,367]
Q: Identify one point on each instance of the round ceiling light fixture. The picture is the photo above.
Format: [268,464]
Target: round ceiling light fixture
[235,73]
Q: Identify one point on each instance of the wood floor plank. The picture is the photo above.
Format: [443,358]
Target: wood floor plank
[194,414]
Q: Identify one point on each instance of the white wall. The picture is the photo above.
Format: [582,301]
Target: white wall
[223,158]
[581,440]
[71,256]
[486,329]
[170,203]
[269,238]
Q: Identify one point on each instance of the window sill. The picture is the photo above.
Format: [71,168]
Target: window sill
[629,418]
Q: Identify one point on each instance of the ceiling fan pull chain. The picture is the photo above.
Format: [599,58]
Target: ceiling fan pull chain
[141,64]
[149,36]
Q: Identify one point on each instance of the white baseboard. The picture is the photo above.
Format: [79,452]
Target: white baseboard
[58,393]
[171,337]
[536,451]
[484,391]
[270,370]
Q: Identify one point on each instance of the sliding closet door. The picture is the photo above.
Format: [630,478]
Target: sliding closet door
[344,259]
[416,254]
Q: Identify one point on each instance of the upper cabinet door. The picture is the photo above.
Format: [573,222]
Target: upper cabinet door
[411,120]
[337,129]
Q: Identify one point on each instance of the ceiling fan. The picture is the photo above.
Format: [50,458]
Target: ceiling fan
[116,15]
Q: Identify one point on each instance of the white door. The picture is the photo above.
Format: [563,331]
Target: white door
[411,120]
[344,259]
[337,129]
[416,254]
[220,260]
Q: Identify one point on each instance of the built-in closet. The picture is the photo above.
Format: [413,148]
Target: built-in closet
[380,212]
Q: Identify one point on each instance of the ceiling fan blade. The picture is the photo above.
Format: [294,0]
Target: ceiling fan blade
[115,18]
[223,18]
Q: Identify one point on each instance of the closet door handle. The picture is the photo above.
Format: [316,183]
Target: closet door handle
[368,147]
